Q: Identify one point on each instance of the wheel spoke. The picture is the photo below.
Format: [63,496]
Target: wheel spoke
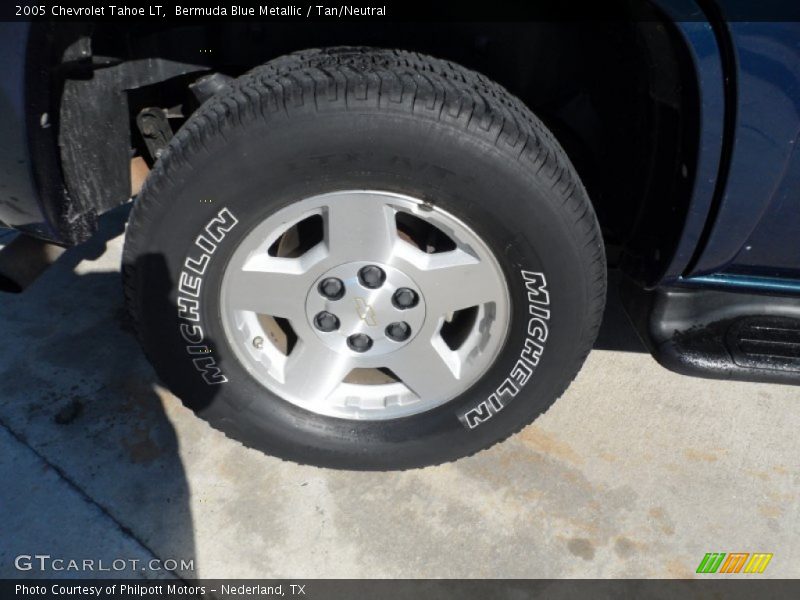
[312,371]
[359,225]
[426,368]
[452,280]
[273,286]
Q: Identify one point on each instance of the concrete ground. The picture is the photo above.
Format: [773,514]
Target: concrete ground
[635,472]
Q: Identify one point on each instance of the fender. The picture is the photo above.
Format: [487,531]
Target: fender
[703,42]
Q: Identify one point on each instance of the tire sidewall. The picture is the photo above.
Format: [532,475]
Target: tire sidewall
[258,169]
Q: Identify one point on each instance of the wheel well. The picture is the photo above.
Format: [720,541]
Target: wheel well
[619,95]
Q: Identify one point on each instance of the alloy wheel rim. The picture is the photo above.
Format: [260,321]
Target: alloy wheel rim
[364,305]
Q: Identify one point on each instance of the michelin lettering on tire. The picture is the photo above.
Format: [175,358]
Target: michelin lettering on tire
[531,353]
[190,283]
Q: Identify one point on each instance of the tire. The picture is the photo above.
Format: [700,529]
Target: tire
[320,121]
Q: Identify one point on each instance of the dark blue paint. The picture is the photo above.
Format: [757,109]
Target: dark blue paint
[20,205]
[757,231]
[703,48]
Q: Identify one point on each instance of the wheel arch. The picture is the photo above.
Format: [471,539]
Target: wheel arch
[621,96]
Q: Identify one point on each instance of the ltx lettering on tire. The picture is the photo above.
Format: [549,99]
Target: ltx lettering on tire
[532,349]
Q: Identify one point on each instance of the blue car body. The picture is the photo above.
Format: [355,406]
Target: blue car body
[749,241]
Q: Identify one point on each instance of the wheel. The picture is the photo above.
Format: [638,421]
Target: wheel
[365,259]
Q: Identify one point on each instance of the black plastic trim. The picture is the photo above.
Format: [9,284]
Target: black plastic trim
[699,332]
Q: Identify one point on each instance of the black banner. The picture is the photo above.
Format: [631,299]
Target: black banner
[172,12]
[410,589]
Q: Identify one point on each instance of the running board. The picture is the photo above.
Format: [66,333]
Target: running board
[718,334]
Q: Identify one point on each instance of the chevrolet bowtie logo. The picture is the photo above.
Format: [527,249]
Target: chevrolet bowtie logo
[365,312]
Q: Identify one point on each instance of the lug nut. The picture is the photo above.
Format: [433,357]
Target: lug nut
[332,288]
[371,277]
[359,342]
[325,321]
[405,298]
[398,331]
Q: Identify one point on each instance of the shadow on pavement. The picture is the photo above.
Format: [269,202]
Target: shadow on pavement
[75,387]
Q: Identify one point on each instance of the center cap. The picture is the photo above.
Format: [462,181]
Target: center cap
[365,309]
